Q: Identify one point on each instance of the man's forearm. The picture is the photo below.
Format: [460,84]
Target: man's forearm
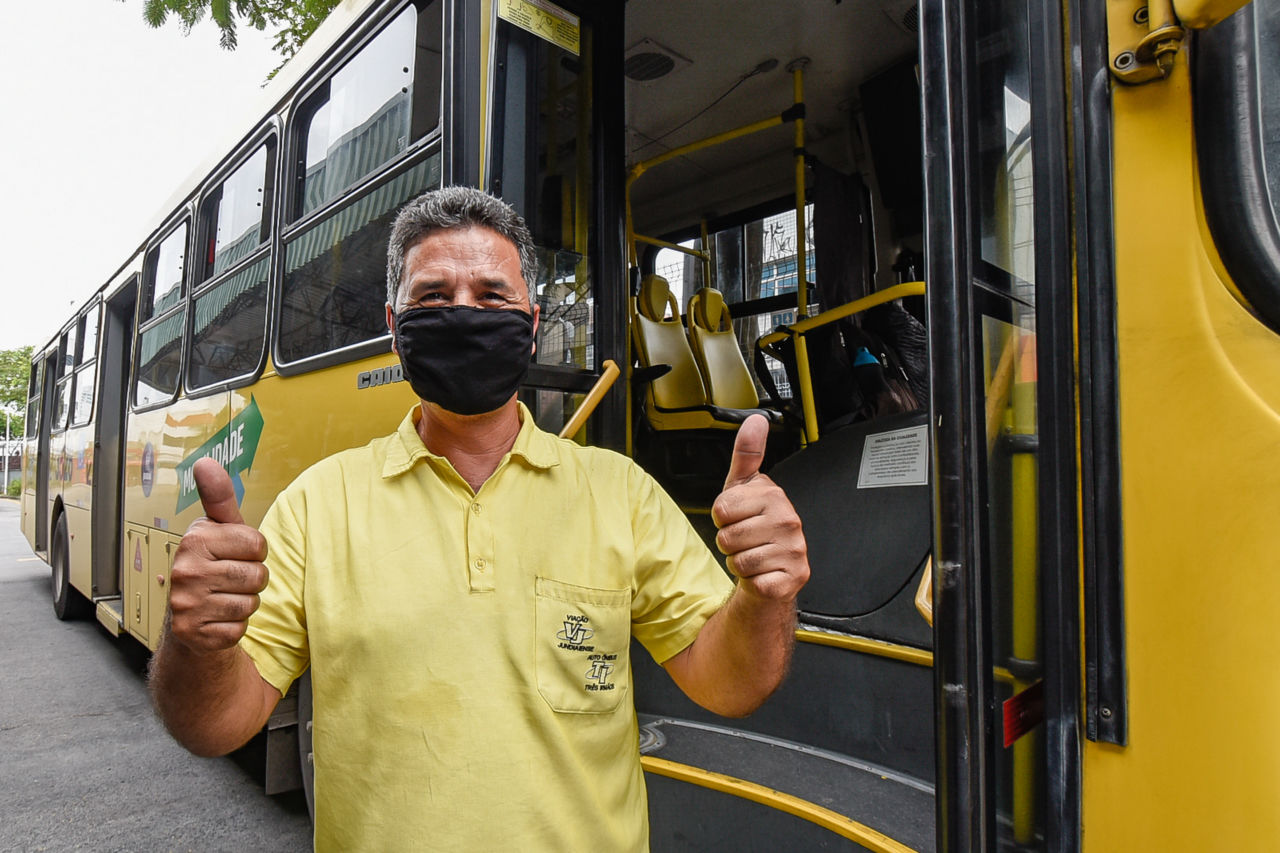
[211,702]
[740,656]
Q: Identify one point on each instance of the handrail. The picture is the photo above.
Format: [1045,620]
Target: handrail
[797,330]
[607,377]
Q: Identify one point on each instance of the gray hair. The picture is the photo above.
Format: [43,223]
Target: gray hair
[457,207]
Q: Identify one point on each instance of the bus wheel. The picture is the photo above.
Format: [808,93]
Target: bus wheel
[67,602]
[306,755]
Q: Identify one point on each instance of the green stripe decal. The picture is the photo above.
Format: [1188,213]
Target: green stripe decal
[233,446]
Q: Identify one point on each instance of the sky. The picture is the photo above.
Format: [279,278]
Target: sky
[104,118]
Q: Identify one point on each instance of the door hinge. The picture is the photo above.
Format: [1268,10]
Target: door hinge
[1144,38]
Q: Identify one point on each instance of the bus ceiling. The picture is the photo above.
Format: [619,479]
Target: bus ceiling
[693,71]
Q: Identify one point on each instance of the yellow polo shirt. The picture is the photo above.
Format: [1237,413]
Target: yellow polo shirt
[469,651]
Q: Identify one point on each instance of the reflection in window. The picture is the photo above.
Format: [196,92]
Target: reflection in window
[61,404]
[159,359]
[67,346]
[543,168]
[366,114]
[334,286]
[89,334]
[551,409]
[238,212]
[1007,208]
[168,262]
[229,328]
[566,329]
[82,406]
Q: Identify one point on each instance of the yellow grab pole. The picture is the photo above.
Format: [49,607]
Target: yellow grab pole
[796,67]
[593,398]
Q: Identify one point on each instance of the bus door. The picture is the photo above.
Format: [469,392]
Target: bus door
[1000,306]
[542,137]
[49,370]
[112,394]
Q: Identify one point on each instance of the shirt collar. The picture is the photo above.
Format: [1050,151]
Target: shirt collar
[405,448]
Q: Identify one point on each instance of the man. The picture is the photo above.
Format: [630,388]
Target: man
[465,589]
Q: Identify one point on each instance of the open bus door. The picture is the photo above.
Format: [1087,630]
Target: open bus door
[1000,294]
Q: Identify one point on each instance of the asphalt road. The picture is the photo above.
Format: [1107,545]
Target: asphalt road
[84,762]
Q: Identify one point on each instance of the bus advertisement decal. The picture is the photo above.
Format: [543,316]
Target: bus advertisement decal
[233,446]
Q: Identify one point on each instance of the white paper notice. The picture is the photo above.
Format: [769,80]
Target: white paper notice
[896,458]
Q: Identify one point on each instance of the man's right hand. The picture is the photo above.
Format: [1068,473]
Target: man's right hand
[218,570]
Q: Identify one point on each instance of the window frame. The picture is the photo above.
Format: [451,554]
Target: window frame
[291,224]
[85,361]
[1228,132]
[303,106]
[185,215]
[269,133]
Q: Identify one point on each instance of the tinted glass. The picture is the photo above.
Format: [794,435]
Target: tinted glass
[67,346]
[1006,203]
[89,334]
[334,286]
[159,359]
[237,217]
[365,120]
[61,404]
[228,328]
[82,404]
[166,277]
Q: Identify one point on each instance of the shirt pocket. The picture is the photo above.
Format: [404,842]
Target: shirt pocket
[582,645]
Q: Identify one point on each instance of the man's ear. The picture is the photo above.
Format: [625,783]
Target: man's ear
[391,327]
[537,310]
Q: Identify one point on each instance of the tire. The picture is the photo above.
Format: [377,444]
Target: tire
[67,602]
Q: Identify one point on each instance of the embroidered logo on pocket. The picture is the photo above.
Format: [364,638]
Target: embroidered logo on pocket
[583,635]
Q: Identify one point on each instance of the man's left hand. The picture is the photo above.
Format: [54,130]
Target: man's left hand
[760,531]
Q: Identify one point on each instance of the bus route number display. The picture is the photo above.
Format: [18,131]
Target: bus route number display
[545,20]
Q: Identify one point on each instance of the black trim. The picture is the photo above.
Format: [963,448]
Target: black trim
[461,165]
[568,379]
[608,426]
[1101,529]
[1055,445]
[963,719]
[1229,137]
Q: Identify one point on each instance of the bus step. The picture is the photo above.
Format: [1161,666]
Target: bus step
[110,614]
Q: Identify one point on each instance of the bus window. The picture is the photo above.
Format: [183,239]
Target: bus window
[166,265]
[61,403]
[89,333]
[228,330]
[335,271]
[237,215]
[229,312]
[67,346]
[386,96]
[159,351]
[82,400]
[33,397]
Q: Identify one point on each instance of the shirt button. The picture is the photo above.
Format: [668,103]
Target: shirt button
[480,564]
[475,507]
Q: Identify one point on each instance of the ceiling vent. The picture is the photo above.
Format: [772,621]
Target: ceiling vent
[904,13]
[648,60]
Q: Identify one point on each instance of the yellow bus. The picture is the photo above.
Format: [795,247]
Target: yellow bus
[1006,275]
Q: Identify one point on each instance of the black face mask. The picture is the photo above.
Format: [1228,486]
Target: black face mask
[465,360]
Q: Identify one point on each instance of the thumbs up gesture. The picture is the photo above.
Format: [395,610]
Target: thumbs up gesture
[759,530]
[218,570]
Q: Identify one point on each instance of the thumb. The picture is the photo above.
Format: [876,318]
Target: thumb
[748,451]
[217,495]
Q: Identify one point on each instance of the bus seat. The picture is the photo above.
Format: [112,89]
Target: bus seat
[676,400]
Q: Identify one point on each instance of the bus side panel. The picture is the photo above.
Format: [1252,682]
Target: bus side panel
[28,499]
[313,415]
[1199,403]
